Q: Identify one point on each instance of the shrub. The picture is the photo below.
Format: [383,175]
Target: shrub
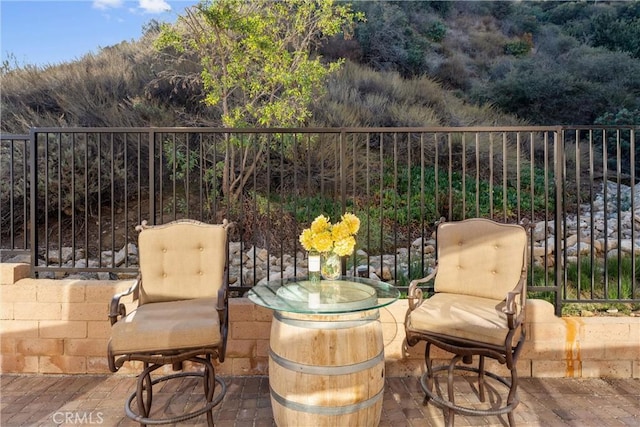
[520,47]
[436,31]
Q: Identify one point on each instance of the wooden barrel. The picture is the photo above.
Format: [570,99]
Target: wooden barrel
[326,370]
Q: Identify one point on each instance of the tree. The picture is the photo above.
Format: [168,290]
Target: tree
[258,65]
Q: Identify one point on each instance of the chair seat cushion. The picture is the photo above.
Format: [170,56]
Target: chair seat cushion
[165,326]
[461,316]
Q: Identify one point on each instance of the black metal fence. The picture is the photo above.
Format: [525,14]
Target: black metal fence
[71,197]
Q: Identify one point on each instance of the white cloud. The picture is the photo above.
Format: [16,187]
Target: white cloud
[106,4]
[153,6]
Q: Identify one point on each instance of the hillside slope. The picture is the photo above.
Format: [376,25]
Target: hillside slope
[410,64]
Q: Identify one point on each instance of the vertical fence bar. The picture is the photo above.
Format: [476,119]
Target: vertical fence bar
[99,206]
[281,143]
[73,198]
[381,236]
[532,181]
[395,195]
[112,197]
[12,231]
[268,242]
[423,230]
[152,177]
[33,161]
[463,165]
[532,140]
[86,197]
[436,173]
[546,207]
[343,174]
[201,196]
[559,226]
[632,167]
[46,197]
[578,203]
[592,229]
[619,212]
[25,196]
[505,188]
[368,193]
[450,175]
[408,202]
[126,198]
[477,188]
[605,193]
[59,196]
[491,172]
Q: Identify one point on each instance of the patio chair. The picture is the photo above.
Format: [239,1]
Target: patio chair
[181,313]
[477,309]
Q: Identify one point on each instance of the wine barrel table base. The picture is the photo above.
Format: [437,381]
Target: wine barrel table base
[326,354]
[326,370]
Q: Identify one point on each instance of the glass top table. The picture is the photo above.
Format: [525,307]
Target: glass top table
[345,295]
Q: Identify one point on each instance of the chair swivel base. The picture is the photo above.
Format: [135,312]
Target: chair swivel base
[463,410]
[144,420]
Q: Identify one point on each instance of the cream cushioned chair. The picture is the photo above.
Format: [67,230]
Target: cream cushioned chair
[477,308]
[182,312]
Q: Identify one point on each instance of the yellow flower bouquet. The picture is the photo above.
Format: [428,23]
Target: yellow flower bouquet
[325,237]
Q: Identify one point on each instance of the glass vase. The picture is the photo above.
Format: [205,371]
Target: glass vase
[331,266]
[314,266]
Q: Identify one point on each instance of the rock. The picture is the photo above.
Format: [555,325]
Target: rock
[582,248]
[540,231]
[60,256]
[418,243]
[627,246]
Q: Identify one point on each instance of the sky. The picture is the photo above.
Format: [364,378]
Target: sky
[49,32]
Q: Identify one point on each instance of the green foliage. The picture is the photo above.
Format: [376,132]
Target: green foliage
[520,47]
[587,275]
[392,38]
[573,90]
[614,33]
[417,194]
[256,60]
[621,140]
[622,276]
[619,277]
[359,96]
[257,66]
[436,31]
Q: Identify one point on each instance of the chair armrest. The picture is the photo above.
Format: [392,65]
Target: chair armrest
[223,291]
[514,303]
[415,294]
[116,308]
[515,300]
[222,306]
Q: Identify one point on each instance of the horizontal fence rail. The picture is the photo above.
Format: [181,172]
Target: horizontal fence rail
[73,196]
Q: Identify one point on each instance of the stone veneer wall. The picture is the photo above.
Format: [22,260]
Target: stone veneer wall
[61,326]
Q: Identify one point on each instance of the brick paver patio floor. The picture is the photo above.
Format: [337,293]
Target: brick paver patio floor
[52,400]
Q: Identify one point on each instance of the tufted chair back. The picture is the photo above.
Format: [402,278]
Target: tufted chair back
[479,257]
[185,260]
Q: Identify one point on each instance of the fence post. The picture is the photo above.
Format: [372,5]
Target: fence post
[559,172]
[33,194]
[343,174]
[343,188]
[152,176]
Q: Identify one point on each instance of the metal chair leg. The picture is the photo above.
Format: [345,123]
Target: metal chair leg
[144,394]
[481,394]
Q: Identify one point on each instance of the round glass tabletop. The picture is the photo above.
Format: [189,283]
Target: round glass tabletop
[345,295]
